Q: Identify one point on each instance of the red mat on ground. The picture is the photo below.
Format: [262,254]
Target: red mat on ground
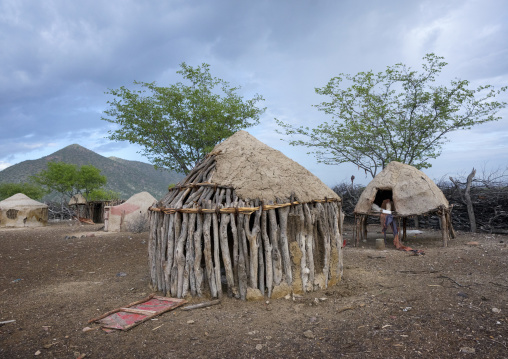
[136,313]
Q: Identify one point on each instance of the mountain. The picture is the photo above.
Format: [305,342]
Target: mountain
[124,176]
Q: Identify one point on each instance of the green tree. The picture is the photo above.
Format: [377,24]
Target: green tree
[89,179]
[69,180]
[101,194]
[178,125]
[60,177]
[396,115]
[29,189]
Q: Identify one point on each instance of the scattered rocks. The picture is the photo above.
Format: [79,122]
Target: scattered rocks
[496,310]
[259,346]
[473,243]
[467,350]
[309,334]
[190,321]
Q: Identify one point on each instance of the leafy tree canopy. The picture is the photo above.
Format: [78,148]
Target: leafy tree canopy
[102,195]
[69,180]
[29,189]
[395,115]
[178,125]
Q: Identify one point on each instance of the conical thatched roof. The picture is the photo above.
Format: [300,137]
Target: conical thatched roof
[20,200]
[257,171]
[413,192]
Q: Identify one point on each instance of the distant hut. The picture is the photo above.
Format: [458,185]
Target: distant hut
[249,221]
[22,211]
[409,192]
[130,216]
[92,210]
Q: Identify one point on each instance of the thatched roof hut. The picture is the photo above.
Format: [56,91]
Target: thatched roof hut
[411,192]
[22,211]
[130,216]
[252,215]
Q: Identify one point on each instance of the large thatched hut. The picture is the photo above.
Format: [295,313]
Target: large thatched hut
[409,192]
[248,221]
[22,211]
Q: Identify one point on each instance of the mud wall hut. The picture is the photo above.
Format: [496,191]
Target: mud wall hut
[130,216]
[249,222]
[410,193]
[21,211]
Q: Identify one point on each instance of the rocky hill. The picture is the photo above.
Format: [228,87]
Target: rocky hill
[124,176]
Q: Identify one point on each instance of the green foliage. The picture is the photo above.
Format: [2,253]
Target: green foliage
[29,189]
[89,179]
[396,115]
[68,180]
[178,125]
[102,195]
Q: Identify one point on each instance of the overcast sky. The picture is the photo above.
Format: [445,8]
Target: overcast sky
[58,58]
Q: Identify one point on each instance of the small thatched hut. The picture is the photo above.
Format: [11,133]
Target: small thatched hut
[130,216]
[248,221]
[410,192]
[21,211]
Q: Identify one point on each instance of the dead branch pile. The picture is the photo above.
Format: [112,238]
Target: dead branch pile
[490,206]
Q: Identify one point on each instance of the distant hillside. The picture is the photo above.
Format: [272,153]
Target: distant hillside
[125,177]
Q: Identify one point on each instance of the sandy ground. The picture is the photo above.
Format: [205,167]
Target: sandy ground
[450,303]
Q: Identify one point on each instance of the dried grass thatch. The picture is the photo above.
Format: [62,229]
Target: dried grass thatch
[250,218]
[411,191]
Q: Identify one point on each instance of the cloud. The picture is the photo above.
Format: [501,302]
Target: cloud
[62,56]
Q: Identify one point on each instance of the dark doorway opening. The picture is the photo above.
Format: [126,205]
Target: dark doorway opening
[383,194]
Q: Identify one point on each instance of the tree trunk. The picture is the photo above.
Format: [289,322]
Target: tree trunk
[469,203]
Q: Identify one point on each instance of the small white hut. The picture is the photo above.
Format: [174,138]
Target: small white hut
[130,216]
[22,211]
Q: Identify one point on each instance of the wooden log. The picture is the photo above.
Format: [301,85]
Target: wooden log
[261,266]
[210,273]
[174,268]
[152,248]
[444,227]
[188,276]
[202,305]
[274,241]
[309,243]
[242,270]
[180,255]
[322,222]
[226,259]
[301,239]
[198,255]
[284,246]
[268,254]
[252,237]
[216,254]
[170,239]
[234,232]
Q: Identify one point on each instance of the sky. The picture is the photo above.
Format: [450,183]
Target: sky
[58,59]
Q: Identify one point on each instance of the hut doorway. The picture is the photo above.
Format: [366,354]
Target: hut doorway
[382,195]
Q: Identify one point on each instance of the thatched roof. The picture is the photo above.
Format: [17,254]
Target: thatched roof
[77,199]
[413,192]
[19,201]
[142,199]
[257,171]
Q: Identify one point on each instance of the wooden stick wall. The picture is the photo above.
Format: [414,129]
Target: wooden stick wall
[204,240]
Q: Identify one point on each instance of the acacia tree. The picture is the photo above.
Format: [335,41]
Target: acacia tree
[178,125]
[396,115]
[68,180]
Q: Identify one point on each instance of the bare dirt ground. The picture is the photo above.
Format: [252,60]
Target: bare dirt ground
[449,303]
